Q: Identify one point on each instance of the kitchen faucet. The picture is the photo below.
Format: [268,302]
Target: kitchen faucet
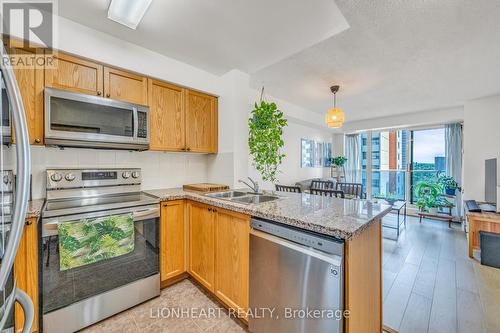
[254,186]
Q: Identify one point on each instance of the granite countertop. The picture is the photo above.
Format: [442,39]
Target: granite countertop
[341,218]
[34,208]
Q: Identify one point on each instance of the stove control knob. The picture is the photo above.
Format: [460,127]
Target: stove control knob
[56,177]
[126,174]
[135,174]
[69,177]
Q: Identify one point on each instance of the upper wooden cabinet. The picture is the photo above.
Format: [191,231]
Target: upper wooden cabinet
[30,81]
[232,253]
[26,271]
[172,240]
[201,122]
[167,117]
[125,86]
[202,244]
[75,74]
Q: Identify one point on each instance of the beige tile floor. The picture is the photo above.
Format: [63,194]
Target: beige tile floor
[206,316]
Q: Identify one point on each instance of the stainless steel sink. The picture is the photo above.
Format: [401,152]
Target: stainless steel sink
[226,194]
[255,199]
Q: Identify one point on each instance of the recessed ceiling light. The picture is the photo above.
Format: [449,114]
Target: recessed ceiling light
[128,12]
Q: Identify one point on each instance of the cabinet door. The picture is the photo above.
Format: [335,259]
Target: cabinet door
[232,237]
[172,240]
[30,82]
[167,121]
[125,86]
[201,244]
[26,271]
[201,122]
[74,74]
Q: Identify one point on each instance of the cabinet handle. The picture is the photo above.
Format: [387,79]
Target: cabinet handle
[188,149]
[107,95]
[38,140]
[209,209]
[28,222]
[99,93]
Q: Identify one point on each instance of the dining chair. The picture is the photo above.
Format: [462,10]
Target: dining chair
[354,189]
[286,188]
[328,193]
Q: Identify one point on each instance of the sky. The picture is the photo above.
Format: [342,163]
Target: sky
[428,144]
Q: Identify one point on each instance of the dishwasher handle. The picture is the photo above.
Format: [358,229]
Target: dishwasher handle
[332,259]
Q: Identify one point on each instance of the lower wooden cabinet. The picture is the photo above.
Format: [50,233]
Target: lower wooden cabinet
[172,240]
[232,250]
[219,249]
[26,271]
[202,244]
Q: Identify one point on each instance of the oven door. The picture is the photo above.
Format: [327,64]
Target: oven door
[73,119]
[64,285]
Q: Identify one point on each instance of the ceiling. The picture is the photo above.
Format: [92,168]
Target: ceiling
[397,56]
[389,56]
[219,35]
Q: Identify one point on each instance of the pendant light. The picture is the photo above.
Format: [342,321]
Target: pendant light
[335,117]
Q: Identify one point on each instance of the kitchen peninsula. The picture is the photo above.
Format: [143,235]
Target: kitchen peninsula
[208,238]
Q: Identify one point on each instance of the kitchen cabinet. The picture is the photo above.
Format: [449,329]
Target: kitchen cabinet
[30,79]
[202,244]
[201,122]
[167,117]
[232,253]
[172,240]
[125,86]
[26,271]
[75,74]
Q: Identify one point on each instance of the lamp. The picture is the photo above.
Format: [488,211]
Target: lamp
[335,117]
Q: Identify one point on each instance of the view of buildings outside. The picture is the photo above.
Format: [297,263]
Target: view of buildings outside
[390,157]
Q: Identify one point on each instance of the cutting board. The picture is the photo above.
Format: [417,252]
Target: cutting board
[205,187]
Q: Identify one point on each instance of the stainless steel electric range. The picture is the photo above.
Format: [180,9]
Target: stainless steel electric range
[100,246]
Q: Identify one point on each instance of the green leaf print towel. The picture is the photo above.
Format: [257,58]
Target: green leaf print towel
[88,241]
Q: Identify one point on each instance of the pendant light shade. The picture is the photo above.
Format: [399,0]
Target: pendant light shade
[335,117]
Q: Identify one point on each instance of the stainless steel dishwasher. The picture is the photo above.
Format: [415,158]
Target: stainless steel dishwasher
[296,280]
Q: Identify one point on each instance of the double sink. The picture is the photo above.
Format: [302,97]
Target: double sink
[243,197]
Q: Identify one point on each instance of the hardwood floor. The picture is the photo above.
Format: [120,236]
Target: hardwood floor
[431,285]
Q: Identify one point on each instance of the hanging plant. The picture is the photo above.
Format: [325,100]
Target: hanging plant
[265,138]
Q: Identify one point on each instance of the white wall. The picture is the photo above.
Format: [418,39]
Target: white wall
[481,142]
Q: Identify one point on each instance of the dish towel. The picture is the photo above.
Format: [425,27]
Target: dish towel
[87,241]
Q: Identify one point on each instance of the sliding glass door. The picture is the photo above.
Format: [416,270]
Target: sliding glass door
[393,161]
[427,156]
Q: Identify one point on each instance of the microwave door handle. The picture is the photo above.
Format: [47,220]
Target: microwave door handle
[22,168]
[136,122]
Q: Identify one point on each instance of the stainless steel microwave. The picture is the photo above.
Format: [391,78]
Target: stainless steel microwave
[80,120]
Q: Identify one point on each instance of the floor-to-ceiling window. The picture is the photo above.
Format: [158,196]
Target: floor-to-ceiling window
[427,156]
[393,161]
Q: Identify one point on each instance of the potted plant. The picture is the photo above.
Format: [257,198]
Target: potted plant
[429,196]
[265,138]
[449,184]
[337,167]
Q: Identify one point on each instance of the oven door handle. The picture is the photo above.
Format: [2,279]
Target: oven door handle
[150,213]
[139,214]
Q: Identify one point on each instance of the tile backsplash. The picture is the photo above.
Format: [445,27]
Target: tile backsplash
[159,169]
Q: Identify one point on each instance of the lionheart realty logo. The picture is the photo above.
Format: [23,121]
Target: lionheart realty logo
[29,32]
